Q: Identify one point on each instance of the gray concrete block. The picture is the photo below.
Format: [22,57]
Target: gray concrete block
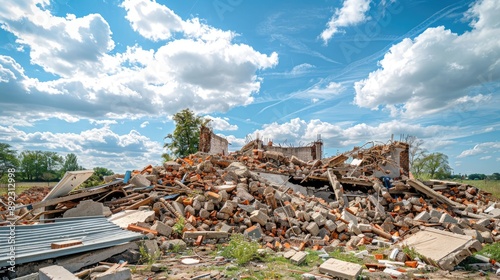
[88,208]
[259,216]
[318,218]
[313,228]
[422,216]
[140,181]
[162,228]
[330,225]
[341,269]
[122,273]
[445,218]
[289,254]
[55,272]
[298,258]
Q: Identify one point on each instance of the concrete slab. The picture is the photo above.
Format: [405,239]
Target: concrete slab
[127,217]
[55,272]
[441,248]
[298,258]
[341,269]
[88,208]
[122,273]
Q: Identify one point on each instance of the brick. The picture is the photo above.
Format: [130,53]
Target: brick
[330,225]
[445,218]
[289,254]
[122,273]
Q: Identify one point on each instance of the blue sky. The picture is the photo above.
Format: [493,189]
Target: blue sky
[101,79]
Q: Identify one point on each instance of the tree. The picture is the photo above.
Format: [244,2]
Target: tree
[476,176]
[436,164]
[35,163]
[416,150]
[70,163]
[97,177]
[8,158]
[186,136]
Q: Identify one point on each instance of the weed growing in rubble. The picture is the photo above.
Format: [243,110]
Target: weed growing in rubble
[348,257]
[492,251]
[240,249]
[148,258]
[179,226]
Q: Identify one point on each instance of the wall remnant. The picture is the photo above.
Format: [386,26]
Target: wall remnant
[211,143]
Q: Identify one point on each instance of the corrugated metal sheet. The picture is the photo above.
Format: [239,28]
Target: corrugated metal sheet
[71,180]
[32,242]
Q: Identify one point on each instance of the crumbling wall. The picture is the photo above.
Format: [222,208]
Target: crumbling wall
[303,153]
[211,143]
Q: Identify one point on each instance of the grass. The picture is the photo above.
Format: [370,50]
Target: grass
[240,249]
[491,186]
[22,186]
[348,257]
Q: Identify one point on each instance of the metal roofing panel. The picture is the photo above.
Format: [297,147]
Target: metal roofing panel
[33,242]
[71,180]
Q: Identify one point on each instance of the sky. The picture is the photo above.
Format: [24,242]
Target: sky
[102,78]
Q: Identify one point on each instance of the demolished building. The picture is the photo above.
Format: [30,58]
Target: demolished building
[375,202]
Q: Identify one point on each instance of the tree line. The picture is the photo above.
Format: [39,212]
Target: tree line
[435,165]
[38,166]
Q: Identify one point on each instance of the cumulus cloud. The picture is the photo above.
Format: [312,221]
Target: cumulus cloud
[482,148]
[343,135]
[94,147]
[438,70]
[221,124]
[201,68]
[352,13]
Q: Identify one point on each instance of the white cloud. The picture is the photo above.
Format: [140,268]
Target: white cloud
[301,69]
[485,157]
[203,69]
[298,131]
[94,147]
[482,148]
[221,124]
[352,13]
[438,70]
[144,124]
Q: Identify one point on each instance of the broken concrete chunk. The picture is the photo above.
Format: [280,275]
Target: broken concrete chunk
[444,248]
[88,208]
[445,218]
[140,181]
[55,272]
[258,216]
[162,228]
[422,217]
[318,219]
[298,258]
[122,273]
[340,269]
[313,228]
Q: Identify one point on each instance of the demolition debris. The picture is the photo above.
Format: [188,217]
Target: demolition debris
[259,192]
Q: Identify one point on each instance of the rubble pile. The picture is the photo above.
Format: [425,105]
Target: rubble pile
[375,202]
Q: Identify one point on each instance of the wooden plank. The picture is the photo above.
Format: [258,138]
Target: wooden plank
[419,186]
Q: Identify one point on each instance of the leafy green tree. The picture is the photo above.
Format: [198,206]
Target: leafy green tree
[97,177]
[8,158]
[476,176]
[35,163]
[71,163]
[495,176]
[186,136]
[436,164]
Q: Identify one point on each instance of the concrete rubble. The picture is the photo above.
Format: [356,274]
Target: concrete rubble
[374,202]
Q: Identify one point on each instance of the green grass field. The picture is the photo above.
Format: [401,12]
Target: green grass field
[22,186]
